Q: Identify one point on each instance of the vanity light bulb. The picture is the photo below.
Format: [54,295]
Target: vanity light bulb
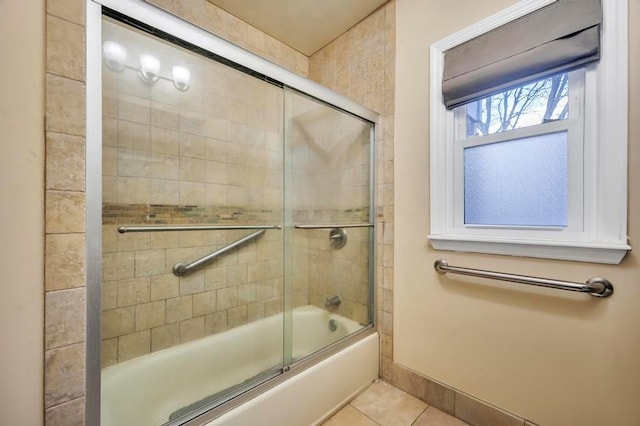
[181,77]
[115,55]
[149,68]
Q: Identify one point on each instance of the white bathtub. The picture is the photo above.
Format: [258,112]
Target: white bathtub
[145,391]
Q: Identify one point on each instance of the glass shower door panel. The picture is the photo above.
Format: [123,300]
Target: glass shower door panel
[187,141]
[329,157]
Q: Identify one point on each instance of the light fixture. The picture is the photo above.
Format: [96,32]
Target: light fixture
[181,77]
[115,55]
[149,68]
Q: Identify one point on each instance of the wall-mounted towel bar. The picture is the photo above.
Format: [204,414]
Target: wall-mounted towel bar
[166,228]
[335,225]
[181,269]
[597,287]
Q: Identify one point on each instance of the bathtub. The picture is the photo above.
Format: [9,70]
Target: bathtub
[146,391]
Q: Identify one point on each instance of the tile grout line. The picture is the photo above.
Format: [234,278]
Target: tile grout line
[364,414]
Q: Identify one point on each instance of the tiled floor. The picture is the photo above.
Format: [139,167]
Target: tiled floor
[384,405]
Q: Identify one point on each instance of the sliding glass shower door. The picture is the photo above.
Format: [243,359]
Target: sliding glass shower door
[192,162]
[329,201]
[237,235]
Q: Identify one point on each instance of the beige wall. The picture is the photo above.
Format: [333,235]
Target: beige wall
[22,211]
[553,358]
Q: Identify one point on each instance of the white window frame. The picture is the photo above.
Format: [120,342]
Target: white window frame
[602,234]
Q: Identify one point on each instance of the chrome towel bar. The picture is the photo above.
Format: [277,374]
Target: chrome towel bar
[166,228]
[335,225]
[597,287]
[181,269]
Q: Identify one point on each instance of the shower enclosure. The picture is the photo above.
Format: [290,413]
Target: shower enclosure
[236,200]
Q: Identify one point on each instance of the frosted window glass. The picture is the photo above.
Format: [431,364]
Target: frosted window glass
[521,182]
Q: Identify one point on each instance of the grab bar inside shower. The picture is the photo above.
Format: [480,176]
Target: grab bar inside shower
[181,269]
[597,287]
[167,228]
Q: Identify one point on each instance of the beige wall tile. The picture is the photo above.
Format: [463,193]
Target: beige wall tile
[247,294]
[165,115]
[150,315]
[133,163]
[134,108]
[65,105]
[65,48]
[191,329]
[165,337]
[237,274]
[204,303]
[64,212]
[133,291]
[118,322]
[71,10]
[179,308]
[215,322]
[479,413]
[192,283]
[164,287]
[65,162]
[134,345]
[149,262]
[237,316]
[227,298]
[165,166]
[65,313]
[165,141]
[134,136]
[64,374]
[130,242]
[133,190]
[68,414]
[164,192]
[109,295]
[215,278]
[109,351]
[255,311]
[117,266]
[65,258]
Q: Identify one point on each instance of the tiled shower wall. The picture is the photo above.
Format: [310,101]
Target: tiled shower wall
[65,197]
[65,261]
[360,64]
[211,154]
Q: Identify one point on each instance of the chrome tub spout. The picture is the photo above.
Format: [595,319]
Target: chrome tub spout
[332,301]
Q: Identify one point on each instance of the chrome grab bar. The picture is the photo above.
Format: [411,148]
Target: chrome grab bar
[334,225]
[597,287]
[181,269]
[166,228]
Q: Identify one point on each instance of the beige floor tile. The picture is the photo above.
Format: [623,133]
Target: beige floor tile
[388,405]
[349,416]
[434,417]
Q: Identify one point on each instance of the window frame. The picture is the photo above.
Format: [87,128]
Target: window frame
[601,236]
[573,125]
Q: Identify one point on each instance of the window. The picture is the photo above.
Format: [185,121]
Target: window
[536,167]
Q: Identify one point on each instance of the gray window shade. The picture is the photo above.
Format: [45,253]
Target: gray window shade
[555,38]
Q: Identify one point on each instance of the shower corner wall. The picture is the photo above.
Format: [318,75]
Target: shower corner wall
[360,64]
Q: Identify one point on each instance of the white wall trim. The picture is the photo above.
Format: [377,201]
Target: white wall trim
[606,228]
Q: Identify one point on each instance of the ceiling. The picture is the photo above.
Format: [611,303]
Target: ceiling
[305,25]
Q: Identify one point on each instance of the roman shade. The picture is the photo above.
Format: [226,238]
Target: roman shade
[559,37]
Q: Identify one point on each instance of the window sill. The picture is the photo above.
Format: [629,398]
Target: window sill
[562,250]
